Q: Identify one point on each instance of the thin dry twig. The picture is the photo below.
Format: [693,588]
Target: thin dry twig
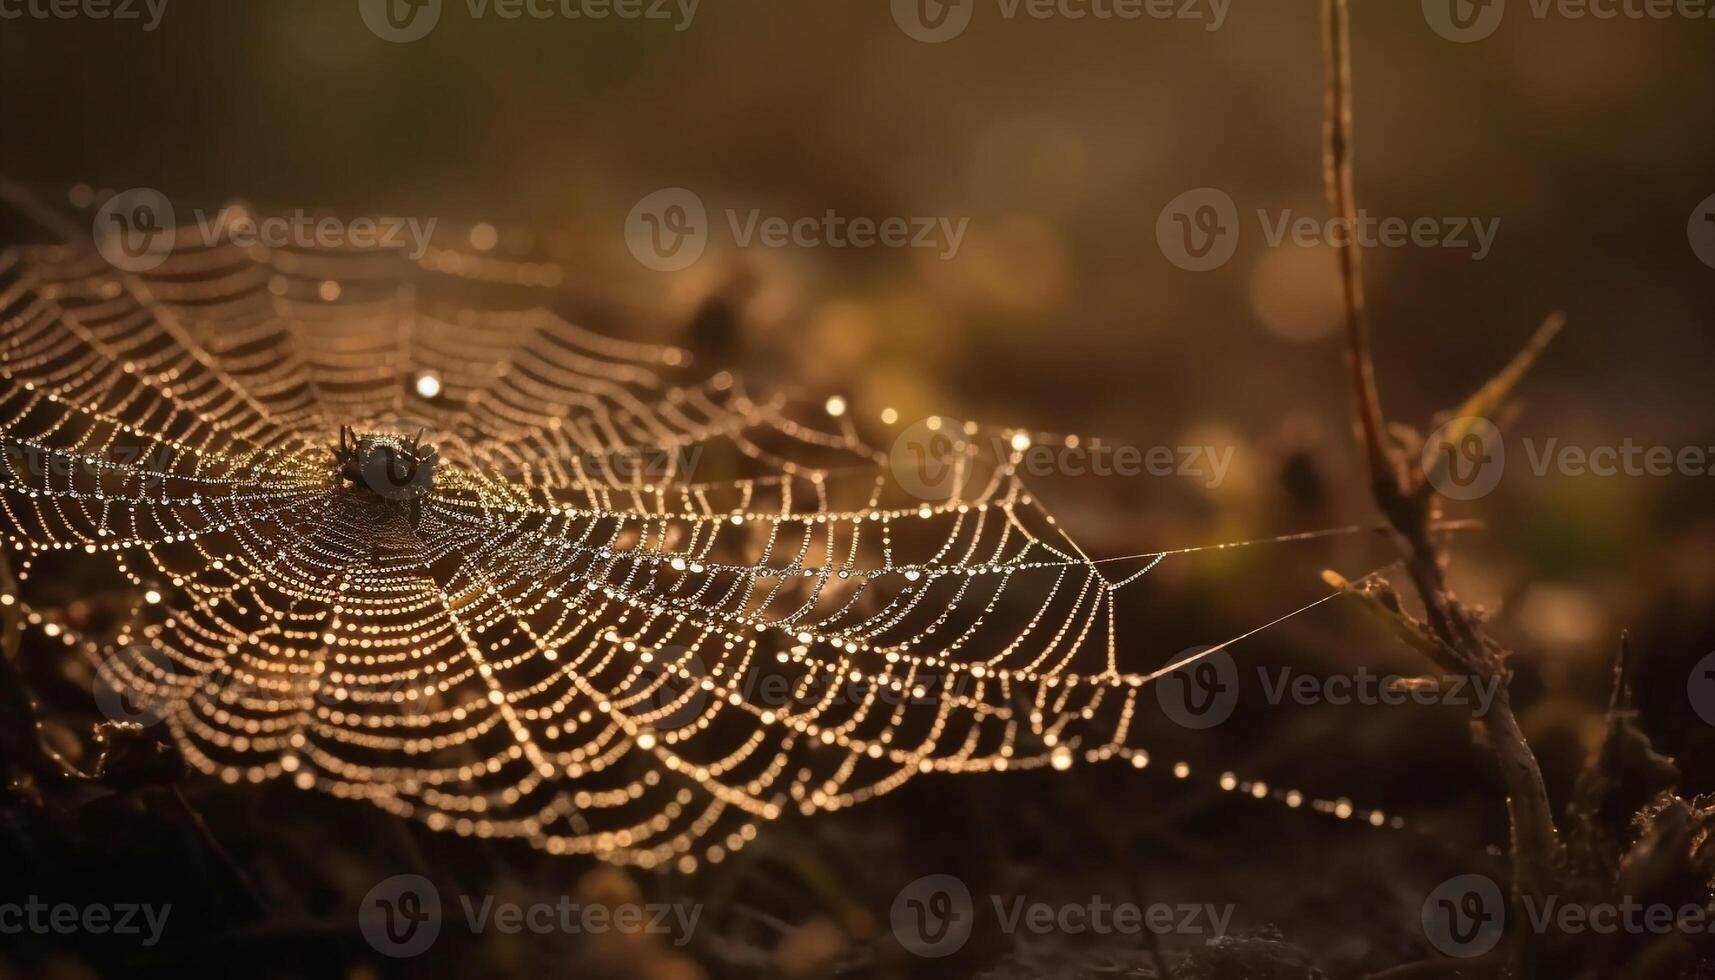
[1337,171]
[20,731]
[1451,635]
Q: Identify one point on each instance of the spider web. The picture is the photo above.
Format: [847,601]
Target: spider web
[640,612]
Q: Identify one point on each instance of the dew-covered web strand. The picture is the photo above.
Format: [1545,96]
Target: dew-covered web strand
[637,666]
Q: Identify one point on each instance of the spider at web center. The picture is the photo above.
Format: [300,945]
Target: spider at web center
[390,467]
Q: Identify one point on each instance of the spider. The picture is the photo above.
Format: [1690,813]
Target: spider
[394,469]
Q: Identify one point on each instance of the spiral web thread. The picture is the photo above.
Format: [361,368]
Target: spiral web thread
[638,614]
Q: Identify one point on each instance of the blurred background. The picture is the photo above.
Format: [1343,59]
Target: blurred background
[1060,141]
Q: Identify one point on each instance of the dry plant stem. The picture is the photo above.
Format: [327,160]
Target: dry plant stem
[20,736]
[1452,636]
[1337,171]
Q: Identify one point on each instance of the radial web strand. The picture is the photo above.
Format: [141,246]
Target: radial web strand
[628,611]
